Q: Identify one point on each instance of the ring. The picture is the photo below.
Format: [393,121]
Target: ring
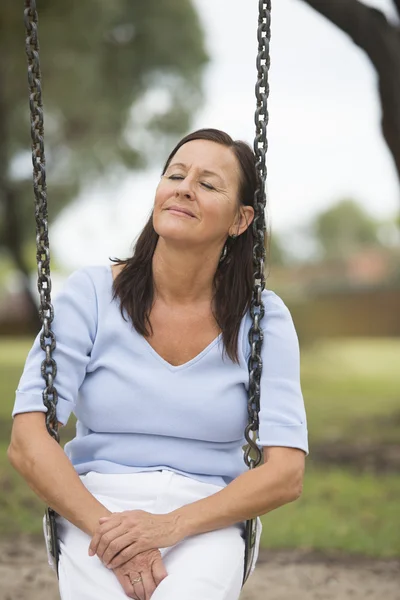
[133,581]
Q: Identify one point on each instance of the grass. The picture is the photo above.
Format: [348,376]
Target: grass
[352,390]
[352,393]
[20,509]
[339,510]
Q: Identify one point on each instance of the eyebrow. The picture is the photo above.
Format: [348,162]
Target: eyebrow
[203,172]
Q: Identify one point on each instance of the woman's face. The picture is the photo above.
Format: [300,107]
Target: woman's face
[202,178]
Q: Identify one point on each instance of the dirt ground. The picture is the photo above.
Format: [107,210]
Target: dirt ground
[286,575]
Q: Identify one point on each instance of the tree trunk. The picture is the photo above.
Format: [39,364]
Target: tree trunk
[12,240]
[11,234]
[371,31]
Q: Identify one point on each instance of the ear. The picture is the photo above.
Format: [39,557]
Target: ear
[244,219]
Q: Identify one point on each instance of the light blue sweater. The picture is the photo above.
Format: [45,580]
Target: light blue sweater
[136,412]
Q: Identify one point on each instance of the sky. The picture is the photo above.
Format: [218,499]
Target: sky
[324,132]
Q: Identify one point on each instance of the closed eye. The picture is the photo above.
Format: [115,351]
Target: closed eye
[208,186]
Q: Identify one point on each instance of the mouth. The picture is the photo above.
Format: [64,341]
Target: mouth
[181,212]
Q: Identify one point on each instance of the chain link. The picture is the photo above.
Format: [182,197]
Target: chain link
[257,308]
[46,312]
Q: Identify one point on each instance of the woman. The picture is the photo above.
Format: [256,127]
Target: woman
[153,492]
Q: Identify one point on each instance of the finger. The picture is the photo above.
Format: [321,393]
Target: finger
[128,588]
[100,531]
[159,571]
[106,538]
[112,543]
[138,588]
[126,585]
[149,585]
[128,553]
[120,550]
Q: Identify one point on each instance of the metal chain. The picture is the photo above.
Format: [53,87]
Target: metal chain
[257,307]
[46,311]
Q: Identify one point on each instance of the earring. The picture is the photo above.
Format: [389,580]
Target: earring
[234,236]
[224,253]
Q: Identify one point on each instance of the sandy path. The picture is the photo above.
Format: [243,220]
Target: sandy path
[278,576]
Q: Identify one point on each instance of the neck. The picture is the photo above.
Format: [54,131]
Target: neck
[183,277]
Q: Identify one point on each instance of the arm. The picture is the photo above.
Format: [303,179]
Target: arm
[50,474]
[32,451]
[282,434]
[43,464]
[254,493]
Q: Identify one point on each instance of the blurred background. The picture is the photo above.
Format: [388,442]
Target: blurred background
[122,82]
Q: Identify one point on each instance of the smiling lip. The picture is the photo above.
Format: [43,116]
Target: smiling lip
[181,210]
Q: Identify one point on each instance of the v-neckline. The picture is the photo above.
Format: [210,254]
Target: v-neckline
[162,360]
[184,365]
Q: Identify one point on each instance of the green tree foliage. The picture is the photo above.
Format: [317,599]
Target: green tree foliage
[121,80]
[344,228]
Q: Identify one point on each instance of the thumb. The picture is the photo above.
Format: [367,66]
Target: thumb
[159,571]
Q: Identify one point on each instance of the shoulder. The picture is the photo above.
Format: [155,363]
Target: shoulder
[90,281]
[277,323]
[277,318]
[95,275]
[273,302]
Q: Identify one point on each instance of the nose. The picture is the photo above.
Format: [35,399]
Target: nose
[184,189]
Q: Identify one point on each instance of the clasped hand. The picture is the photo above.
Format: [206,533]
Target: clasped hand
[123,535]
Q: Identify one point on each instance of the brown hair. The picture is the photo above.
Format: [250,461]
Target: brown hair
[233,280]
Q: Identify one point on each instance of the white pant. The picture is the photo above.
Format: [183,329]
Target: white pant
[204,566]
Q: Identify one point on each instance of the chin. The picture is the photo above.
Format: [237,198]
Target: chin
[172,233]
[171,228]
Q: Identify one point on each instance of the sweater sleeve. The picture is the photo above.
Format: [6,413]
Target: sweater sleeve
[74,326]
[282,413]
